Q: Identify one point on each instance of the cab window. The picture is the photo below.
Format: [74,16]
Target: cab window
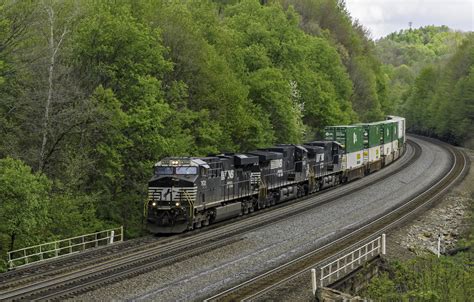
[186,170]
[164,170]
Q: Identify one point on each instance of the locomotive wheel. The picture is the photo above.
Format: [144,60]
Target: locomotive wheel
[205,222]
[197,225]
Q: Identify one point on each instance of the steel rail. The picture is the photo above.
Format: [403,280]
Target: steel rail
[50,269]
[142,260]
[274,278]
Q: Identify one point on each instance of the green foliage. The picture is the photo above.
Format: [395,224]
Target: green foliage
[278,61]
[134,81]
[418,47]
[25,200]
[330,19]
[425,279]
[428,74]
[406,53]
[32,213]
[441,102]
[428,278]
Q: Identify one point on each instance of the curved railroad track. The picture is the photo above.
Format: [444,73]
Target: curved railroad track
[88,274]
[270,280]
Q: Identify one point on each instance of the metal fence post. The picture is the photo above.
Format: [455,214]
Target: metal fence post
[121,233]
[313,280]
[112,233]
[384,244]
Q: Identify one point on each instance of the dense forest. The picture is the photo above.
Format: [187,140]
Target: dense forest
[431,72]
[93,93]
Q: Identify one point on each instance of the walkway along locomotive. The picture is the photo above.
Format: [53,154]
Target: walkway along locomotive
[189,192]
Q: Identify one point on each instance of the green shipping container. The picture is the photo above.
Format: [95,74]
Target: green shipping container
[372,134]
[387,128]
[350,137]
[395,131]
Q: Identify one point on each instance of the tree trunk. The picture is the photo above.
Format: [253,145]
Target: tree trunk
[12,241]
[53,49]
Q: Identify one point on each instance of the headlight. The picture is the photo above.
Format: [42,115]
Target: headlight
[154,204]
[177,204]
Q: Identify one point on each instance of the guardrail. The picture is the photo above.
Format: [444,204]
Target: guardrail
[54,249]
[340,267]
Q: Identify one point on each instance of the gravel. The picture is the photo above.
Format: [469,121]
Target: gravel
[449,218]
[201,276]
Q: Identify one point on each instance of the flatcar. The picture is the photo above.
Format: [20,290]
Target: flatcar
[185,193]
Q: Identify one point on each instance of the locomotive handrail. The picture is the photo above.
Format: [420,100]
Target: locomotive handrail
[191,204]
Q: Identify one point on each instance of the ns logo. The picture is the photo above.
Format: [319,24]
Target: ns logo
[229,174]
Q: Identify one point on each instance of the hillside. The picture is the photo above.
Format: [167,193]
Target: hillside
[93,93]
[431,80]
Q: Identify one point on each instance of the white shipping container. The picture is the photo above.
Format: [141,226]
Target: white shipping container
[387,149]
[395,145]
[374,153]
[354,159]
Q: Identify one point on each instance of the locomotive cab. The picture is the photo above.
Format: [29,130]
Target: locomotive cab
[172,193]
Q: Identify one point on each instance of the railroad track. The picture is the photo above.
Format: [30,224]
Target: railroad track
[262,284]
[69,281]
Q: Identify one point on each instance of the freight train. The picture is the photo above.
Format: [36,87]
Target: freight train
[186,193]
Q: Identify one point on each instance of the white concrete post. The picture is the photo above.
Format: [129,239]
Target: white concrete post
[439,245]
[112,233]
[384,247]
[321,278]
[313,280]
[10,262]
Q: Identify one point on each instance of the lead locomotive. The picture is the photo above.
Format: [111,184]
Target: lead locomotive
[189,192]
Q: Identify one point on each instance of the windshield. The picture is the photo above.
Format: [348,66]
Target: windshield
[164,170]
[186,170]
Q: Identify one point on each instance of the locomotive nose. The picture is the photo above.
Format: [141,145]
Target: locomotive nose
[170,204]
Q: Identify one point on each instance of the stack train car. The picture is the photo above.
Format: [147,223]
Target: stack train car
[186,193]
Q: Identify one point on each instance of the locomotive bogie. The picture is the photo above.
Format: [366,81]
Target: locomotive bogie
[287,193]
